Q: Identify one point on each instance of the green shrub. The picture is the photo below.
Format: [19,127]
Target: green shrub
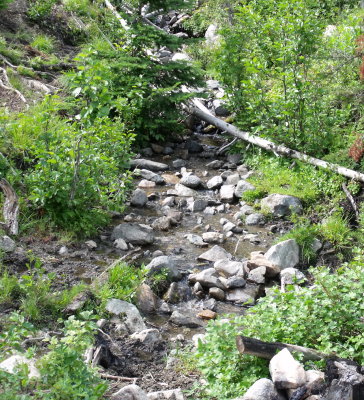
[4,3]
[251,195]
[40,9]
[43,43]
[327,317]
[337,231]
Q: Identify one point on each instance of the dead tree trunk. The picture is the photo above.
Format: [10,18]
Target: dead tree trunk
[11,208]
[266,350]
[270,146]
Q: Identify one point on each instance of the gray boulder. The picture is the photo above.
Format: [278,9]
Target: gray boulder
[130,392]
[214,254]
[150,338]
[248,294]
[174,394]
[215,182]
[242,187]
[191,181]
[255,219]
[232,179]
[284,254]
[151,176]
[133,233]
[263,389]
[132,319]
[229,268]
[185,318]
[139,198]
[280,205]
[148,164]
[7,244]
[165,263]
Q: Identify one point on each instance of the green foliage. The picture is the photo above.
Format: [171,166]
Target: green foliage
[32,293]
[332,309]
[43,43]
[64,374]
[40,9]
[336,230]
[283,74]
[122,283]
[4,3]
[13,54]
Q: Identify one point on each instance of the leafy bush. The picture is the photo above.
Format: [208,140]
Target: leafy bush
[40,9]
[327,317]
[4,3]
[337,231]
[43,43]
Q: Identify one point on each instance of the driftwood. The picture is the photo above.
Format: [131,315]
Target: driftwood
[11,208]
[270,146]
[266,350]
[351,200]
[6,85]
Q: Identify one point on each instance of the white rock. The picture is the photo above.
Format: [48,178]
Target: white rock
[232,179]
[215,182]
[242,187]
[212,237]
[199,337]
[63,251]
[174,394]
[292,275]
[286,372]
[12,363]
[130,392]
[284,254]
[227,193]
[132,319]
[196,240]
[121,244]
[149,337]
[229,268]
[214,254]
[91,244]
[184,191]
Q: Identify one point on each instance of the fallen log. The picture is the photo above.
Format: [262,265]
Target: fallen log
[268,350]
[270,146]
[10,209]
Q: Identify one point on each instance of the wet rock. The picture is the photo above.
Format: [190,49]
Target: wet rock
[207,278]
[217,293]
[207,314]
[150,338]
[7,244]
[169,201]
[196,240]
[257,259]
[198,205]
[232,179]
[165,263]
[174,394]
[213,237]
[132,319]
[146,184]
[216,164]
[242,187]
[162,224]
[146,300]
[121,244]
[139,198]
[191,181]
[179,163]
[257,275]
[280,205]
[148,164]
[227,193]
[286,372]
[136,234]
[193,147]
[12,363]
[176,293]
[184,191]
[151,176]
[130,392]
[284,254]
[292,275]
[263,389]
[248,294]
[214,254]
[210,304]
[255,219]
[229,268]
[185,319]
[215,182]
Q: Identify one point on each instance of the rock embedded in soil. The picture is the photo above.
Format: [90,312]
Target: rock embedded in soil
[216,164]
[136,234]
[151,338]
[7,244]
[139,198]
[132,319]
[148,164]
[286,372]
[284,254]
[255,219]
[227,193]
[130,392]
[179,163]
[246,209]
[185,318]
[263,389]
[280,205]
[214,254]
[242,186]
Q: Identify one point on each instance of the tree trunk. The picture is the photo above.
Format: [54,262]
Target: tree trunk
[266,350]
[11,208]
[270,146]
